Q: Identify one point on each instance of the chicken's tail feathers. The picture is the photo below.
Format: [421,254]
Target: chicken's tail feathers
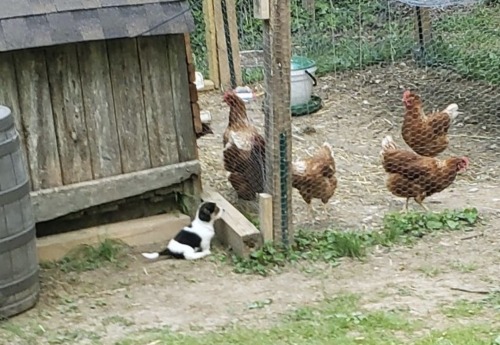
[388,143]
[327,146]
[452,111]
[151,256]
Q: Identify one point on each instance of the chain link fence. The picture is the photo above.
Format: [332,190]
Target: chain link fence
[387,73]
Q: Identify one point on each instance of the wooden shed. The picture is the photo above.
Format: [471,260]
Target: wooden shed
[100,91]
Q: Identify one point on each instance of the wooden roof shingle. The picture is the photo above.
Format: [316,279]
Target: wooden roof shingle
[38,23]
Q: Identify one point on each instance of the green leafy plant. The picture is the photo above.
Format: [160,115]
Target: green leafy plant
[330,245]
[87,258]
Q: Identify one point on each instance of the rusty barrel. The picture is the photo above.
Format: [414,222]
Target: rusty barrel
[19,283]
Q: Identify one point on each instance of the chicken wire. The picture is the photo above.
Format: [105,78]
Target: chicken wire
[368,53]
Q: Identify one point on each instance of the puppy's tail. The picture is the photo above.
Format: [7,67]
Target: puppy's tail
[152,256]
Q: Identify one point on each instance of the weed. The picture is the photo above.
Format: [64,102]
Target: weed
[462,308]
[87,258]
[330,245]
[464,267]
[430,271]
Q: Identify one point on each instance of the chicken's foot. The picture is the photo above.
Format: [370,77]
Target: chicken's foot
[405,206]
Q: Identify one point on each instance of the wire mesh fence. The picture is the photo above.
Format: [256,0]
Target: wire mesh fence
[388,74]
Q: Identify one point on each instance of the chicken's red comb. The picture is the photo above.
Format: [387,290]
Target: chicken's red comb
[466,159]
[406,94]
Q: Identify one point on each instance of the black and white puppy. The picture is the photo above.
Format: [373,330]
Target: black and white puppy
[193,241]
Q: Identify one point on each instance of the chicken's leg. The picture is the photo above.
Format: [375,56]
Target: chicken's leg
[423,206]
[420,201]
[405,206]
[310,212]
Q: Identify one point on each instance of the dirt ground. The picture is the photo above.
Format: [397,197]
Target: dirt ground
[103,306]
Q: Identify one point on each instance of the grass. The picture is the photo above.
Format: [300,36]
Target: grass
[469,42]
[87,258]
[340,321]
[331,245]
[353,34]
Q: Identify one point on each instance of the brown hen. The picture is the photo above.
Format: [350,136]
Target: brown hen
[314,177]
[244,150]
[427,135]
[415,176]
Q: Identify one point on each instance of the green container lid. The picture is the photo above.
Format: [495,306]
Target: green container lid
[301,62]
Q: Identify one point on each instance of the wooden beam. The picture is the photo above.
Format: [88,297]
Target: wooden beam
[423,24]
[56,202]
[261,9]
[193,92]
[234,229]
[235,43]
[277,56]
[222,58]
[137,232]
[211,41]
[209,86]
[266,216]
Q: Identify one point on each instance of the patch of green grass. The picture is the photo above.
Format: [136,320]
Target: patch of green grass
[462,335]
[87,258]
[468,41]
[330,245]
[464,267]
[462,308]
[338,321]
[430,271]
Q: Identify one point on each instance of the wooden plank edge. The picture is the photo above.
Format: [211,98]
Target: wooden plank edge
[234,229]
[137,232]
[208,86]
[266,216]
[59,201]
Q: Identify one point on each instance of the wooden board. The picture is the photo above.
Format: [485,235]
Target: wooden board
[129,104]
[9,96]
[138,232]
[235,43]
[277,56]
[181,102]
[56,202]
[193,92]
[234,229]
[69,117]
[99,109]
[224,73]
[261,9]
[211,41]
[37,117]
[158,100]
[266,216]
[423,26]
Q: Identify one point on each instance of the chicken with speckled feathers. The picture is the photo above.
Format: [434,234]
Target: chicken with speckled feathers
[244,151]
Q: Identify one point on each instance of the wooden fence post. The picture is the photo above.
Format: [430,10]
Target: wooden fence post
[277,56]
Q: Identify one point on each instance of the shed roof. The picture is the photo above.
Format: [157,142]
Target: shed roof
[38,23]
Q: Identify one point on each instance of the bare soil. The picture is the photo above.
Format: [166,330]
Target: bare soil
[360,108]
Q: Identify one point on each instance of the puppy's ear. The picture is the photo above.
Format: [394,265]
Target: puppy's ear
[204,213]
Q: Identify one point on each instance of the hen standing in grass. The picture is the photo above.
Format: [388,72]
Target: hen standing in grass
[244,150]
[415,176]
[314,177]
[427,135]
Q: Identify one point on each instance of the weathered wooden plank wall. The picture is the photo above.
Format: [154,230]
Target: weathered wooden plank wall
[100,109]
[37,118]
[158,100]
[69,118]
